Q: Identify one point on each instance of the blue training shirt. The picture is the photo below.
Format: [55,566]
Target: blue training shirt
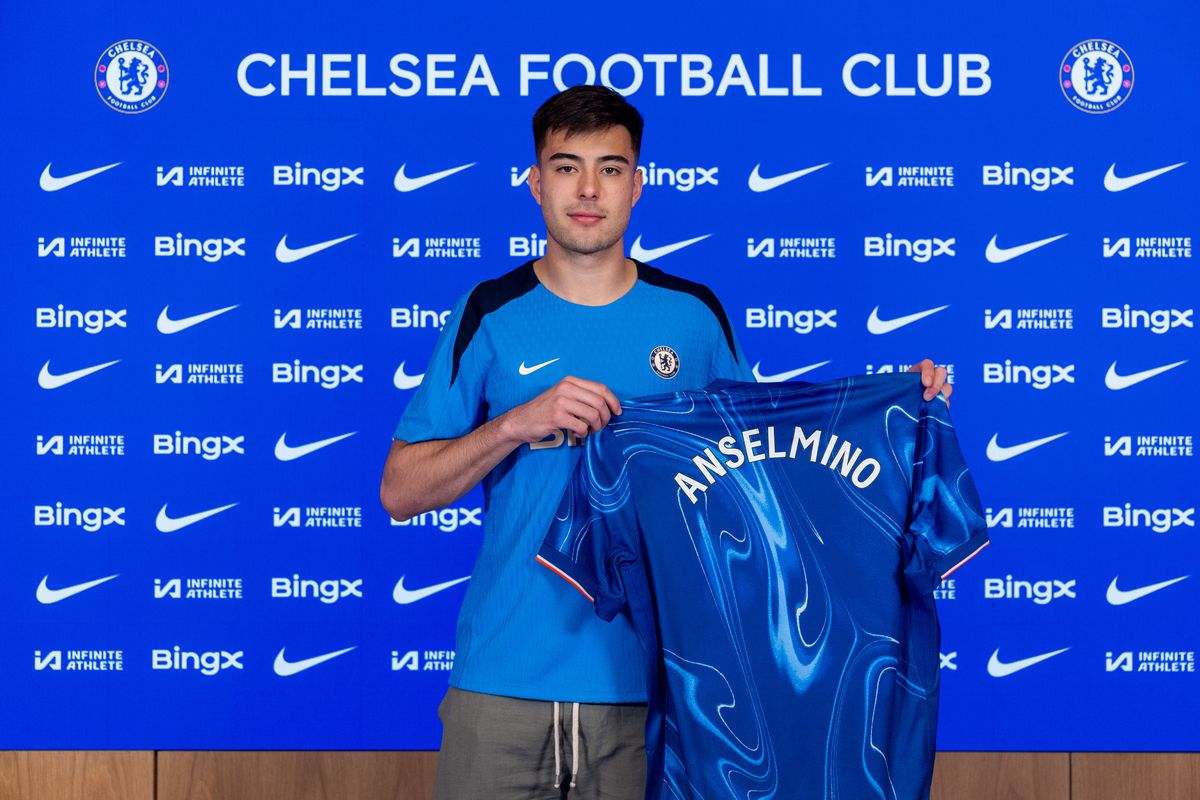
[776,547]
[506,341]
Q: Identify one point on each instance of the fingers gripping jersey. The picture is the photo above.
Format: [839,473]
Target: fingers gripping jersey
[776,547]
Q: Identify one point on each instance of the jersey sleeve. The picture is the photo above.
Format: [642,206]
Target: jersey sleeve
[592,536]
[728,361]
[450,401]
[947,525]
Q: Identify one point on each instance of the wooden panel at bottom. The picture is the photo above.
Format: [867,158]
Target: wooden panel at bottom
[77,775]
[1146,776]
[409,776]
[306,775]
[1002,776]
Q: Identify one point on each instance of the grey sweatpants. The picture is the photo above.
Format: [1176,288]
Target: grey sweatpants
[503,748]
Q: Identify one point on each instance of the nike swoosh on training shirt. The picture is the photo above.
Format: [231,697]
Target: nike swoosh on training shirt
[999,669]
[784,376]
[1119,597]
[46,595]
[168,325]
[403,381]
[284,452]
[642,254]
[880,326]
[1117,382]
[524,370]
[49,183]
[167,524]
[1117,184]
[757,183]
[998,255]
[405,596]
[286,255]
[284,668]
[403,183]
[48,380]
[997,452]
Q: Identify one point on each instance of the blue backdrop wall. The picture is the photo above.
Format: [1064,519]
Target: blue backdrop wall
[1003,189]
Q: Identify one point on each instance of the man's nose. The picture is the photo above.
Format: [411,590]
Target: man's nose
[588,184]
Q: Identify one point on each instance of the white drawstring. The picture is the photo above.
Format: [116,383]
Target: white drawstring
[574,745]
[557,768]
[574,742]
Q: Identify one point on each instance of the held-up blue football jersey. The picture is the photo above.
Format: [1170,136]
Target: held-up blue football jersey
[776,547]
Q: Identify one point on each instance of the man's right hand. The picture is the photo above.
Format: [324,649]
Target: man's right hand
[574,404]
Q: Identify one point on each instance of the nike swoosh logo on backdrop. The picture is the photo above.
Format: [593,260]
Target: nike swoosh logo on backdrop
[1119,597]
[880,326]
[784,376]
[46,595]
[1117,382]
[168,325]
[998,255]
[524,370]
[996,452]
[642,254]
[405,596]
[403,381]
[1117,184]
[286,255]
[285,453]
[168,524]
[284,668]
[999,669]
[48,380]
[758,183]
[403,183]
[49,183]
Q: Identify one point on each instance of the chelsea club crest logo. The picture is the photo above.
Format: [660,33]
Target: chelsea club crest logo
[1096,76]
[132,76]
[664,361]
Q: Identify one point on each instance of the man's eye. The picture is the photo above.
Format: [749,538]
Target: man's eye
[565,166]
[615,171]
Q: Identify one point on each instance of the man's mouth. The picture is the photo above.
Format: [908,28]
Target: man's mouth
[585,217]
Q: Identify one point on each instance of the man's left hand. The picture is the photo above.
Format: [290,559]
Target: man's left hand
[934,379]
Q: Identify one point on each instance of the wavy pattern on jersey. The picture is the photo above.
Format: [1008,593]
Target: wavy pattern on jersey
[758,546]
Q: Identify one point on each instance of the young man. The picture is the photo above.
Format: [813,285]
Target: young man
[526,364]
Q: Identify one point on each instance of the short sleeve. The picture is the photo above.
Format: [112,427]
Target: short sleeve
[728,360]
[592,537]
[449,401]
[947,525]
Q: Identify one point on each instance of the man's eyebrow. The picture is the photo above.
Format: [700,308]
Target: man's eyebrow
[601,159]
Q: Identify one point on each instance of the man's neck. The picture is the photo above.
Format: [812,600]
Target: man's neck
[592,279]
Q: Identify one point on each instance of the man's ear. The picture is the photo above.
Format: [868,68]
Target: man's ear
[637,185]
[535,183]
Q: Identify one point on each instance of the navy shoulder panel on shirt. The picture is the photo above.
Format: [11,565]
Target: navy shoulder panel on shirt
[485,298]
[656,277]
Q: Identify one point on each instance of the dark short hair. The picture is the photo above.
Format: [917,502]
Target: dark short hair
[583,109]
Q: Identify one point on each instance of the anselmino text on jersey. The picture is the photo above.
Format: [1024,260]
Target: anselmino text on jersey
[751,448]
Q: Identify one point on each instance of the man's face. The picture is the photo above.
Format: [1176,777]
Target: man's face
[587,185]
